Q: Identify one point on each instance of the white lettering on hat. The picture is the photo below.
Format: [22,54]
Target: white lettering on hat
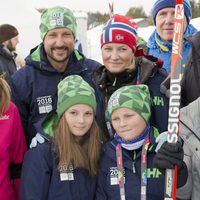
[56,19]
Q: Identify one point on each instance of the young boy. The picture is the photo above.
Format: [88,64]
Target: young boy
[127,170]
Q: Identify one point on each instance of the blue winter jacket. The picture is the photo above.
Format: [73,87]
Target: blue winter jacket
[107,186]
[163,50]
[41,180]
[34,87]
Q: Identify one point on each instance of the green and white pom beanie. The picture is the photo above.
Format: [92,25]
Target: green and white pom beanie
[71,91]
[135,97]
[57,17]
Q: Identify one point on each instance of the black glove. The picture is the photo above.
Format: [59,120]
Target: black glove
[169,155]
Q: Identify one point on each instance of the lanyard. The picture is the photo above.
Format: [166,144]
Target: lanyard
[120,171]
[143,169]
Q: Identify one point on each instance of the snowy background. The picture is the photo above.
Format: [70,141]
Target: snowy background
[27,21]
[93,38]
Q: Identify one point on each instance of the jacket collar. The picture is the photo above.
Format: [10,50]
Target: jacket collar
[38,59]
[155,41]
[111,146]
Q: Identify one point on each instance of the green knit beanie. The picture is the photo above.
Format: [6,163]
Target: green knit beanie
[57,17]
[135,97]
[71,91]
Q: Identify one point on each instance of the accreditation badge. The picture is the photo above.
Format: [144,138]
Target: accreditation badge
[66,174]
[114,176]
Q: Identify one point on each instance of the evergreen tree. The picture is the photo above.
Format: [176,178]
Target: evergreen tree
[137,12]
[195,4]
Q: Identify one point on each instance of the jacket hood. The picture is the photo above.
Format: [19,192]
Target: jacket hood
[154,39]
[190,116]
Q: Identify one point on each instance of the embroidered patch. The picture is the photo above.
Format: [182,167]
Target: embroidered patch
[115,102]
[119,37]
[67,174]
[44,104]
[56,19]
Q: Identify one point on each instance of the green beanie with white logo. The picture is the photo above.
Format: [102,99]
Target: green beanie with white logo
[57,17]
[134,97]
[71,91]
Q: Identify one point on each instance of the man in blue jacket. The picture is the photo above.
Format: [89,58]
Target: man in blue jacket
[160,42]
[34,88]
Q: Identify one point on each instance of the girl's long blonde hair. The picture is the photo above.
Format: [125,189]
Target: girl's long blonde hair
[4,95]
[80,152]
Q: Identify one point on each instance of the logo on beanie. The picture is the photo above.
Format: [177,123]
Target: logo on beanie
[115,102]
[56,19]
[119,30]
[119,37]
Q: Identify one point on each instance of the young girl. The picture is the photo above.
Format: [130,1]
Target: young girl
[127,170]
[65,165]
[12,145]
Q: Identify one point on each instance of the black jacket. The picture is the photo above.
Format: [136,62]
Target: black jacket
[7,62]
[42,180]
[191,79]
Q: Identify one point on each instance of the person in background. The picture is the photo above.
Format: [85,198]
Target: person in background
[78,46]
[190,133]
[124,65]
[9,38]
[12,145]
[127,169]
[190,136]
[34,87]
[20,62]
[160,42]
[190,83]
[65,166]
